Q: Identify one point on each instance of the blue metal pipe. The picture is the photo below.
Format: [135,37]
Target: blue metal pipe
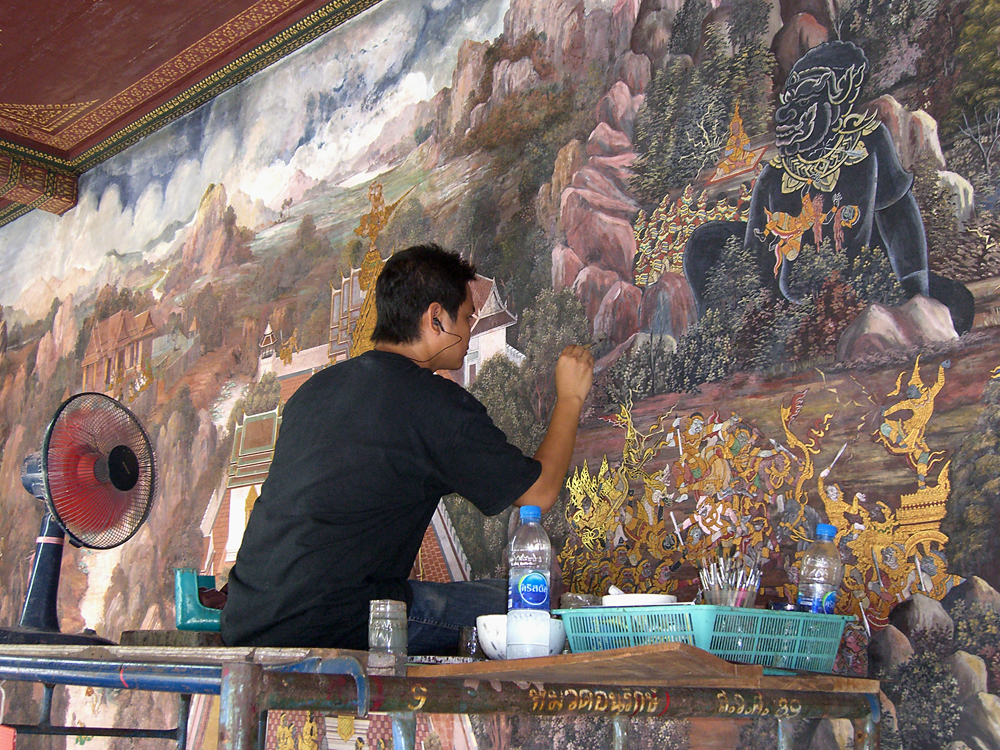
[160,734]
[168,678]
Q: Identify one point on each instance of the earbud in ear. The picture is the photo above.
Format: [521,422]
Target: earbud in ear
[437,324]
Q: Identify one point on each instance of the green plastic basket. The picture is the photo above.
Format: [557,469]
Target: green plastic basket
[797,641]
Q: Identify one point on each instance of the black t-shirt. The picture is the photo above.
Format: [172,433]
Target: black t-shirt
[365,452]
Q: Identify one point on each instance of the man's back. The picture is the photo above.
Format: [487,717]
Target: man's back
[366,450]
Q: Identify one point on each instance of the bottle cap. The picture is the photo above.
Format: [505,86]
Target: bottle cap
[826,529]
[531,513]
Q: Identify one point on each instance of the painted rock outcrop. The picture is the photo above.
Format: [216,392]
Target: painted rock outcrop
[800,34]
[879,329]
[963,678]
[211,243]
[668,307]
[593,219]
[915,134]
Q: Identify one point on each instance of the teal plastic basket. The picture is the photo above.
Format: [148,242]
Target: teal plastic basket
[779,641]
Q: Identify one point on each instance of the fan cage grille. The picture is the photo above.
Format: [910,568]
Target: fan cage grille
[96,514]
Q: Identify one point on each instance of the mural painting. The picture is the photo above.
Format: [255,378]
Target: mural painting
[775,223]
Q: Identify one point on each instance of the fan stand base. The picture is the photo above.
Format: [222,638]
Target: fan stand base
[29,636]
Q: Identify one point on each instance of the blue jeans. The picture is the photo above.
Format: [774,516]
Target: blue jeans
[440,609]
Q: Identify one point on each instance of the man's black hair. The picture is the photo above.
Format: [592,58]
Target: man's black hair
[410,281]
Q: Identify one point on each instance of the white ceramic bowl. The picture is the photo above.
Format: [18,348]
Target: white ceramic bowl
[637,600]
[492,630]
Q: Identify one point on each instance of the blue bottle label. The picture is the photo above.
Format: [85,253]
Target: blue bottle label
[530,592]
[825,604]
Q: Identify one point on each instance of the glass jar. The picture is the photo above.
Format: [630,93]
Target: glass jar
[387,637]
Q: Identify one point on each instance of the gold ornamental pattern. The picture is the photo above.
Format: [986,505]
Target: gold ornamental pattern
[47,117]
[690,484]
[34,186]
[218,42]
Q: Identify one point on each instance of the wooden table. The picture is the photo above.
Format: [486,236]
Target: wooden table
[680,681]
[664,681]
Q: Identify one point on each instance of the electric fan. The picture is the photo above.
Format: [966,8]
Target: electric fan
[97,476]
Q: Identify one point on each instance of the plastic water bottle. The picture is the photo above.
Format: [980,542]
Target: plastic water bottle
[821,572]
[528,588]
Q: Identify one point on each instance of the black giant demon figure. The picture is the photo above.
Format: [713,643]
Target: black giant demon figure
[836,171]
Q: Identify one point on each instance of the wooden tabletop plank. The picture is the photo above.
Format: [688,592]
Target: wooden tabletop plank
[662,664]
[635,665]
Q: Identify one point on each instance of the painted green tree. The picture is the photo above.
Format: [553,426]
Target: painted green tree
[685,32]
[937,69]
[978,86]
[752,63]
[408,226]
[519,400]
[746,329]
[501,389]
[925,695]
[262,396]
[890,35]
[974,504]
[684,123]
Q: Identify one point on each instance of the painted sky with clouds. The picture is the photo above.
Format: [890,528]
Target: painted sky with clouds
[309,112]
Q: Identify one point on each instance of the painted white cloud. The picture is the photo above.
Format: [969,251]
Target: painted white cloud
[313,112]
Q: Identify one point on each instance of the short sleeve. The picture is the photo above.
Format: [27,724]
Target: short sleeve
[485,468]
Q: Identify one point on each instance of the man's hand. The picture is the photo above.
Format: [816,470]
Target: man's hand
[574,373]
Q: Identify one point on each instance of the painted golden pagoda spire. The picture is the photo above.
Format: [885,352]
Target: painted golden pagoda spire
[370,226]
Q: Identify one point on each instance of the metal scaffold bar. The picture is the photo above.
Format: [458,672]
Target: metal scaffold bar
[169,678]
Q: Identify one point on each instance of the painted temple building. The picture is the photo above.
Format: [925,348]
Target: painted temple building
[489,336]
[118,350]
[489,331]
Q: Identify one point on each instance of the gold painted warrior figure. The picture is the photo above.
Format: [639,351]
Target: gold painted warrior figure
[905,436]
[308,740]
[787,229]
[370,226]
[837,508]
[735,152]
[285,738]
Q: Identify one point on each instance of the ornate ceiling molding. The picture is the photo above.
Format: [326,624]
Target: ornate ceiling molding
[291,39]
[30,185]
[68,133]
[43,117]
[224,39]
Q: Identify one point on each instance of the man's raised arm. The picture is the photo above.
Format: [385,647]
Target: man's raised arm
[574,375]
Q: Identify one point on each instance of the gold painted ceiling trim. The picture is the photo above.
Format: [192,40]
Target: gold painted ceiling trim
[291,39]
[226,37]
[47,117]
[36,186]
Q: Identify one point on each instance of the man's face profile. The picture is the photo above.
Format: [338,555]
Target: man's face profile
[460,326]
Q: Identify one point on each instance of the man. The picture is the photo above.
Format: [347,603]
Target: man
[366,450]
